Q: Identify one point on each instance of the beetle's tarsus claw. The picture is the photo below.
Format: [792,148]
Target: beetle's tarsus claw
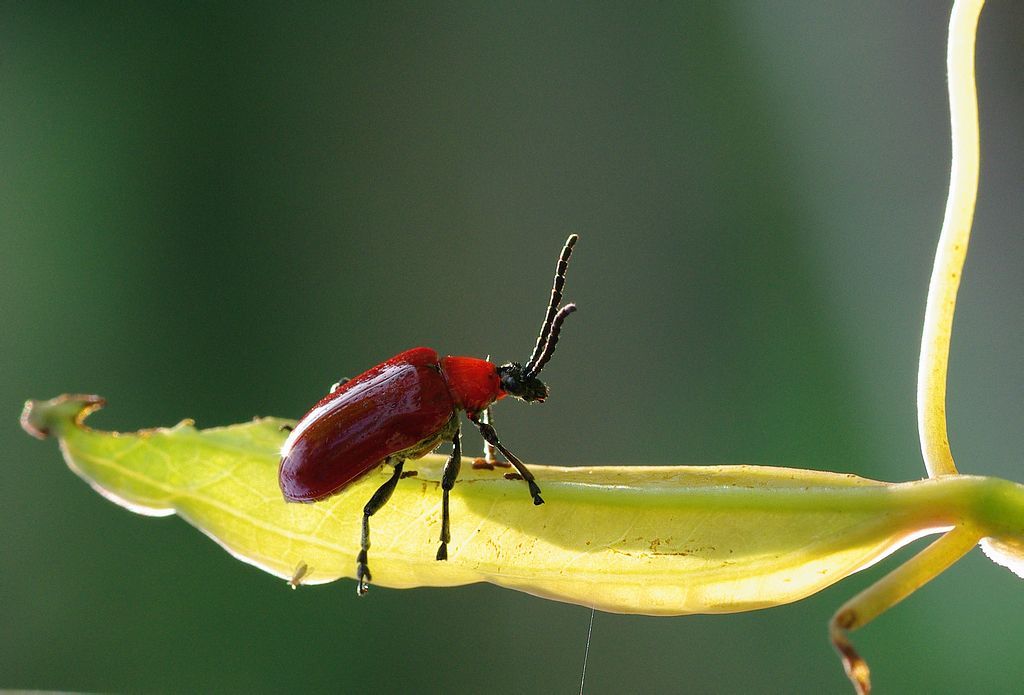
[442,552]
[535,493]
[363,576]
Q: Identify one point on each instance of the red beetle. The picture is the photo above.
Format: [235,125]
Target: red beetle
[405,408]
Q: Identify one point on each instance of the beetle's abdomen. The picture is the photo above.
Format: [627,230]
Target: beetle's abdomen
[390,408]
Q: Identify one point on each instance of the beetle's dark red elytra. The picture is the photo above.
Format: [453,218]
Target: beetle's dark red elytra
[406,407]
[394,408]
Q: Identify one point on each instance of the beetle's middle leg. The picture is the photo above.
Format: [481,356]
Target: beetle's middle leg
[448,476]
[491,437]
[379,499]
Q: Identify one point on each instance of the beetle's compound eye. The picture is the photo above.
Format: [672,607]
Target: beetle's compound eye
[515,383]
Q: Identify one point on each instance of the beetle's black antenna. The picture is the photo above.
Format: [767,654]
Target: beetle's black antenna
[549,346]
[553,319]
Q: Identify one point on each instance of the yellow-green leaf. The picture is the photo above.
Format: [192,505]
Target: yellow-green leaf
[654,540]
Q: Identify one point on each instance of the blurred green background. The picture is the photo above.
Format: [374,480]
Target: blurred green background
[214,211]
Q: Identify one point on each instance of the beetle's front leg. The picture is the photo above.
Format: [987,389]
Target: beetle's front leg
[491,437]
[448,477]
[489,460]
[379,499]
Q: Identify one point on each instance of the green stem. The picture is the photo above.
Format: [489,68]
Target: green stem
[953,240]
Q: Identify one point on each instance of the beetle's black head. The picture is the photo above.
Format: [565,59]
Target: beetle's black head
[515,381]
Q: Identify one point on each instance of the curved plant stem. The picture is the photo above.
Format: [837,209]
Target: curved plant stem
[887,592]
[952,249]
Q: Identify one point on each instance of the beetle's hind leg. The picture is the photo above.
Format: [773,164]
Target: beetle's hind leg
[491,437]
[379,499]
[448,476]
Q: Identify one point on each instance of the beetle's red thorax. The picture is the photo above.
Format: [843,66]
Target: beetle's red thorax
[473,383]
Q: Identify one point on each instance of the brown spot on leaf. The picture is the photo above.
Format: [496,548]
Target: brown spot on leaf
[846,619]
